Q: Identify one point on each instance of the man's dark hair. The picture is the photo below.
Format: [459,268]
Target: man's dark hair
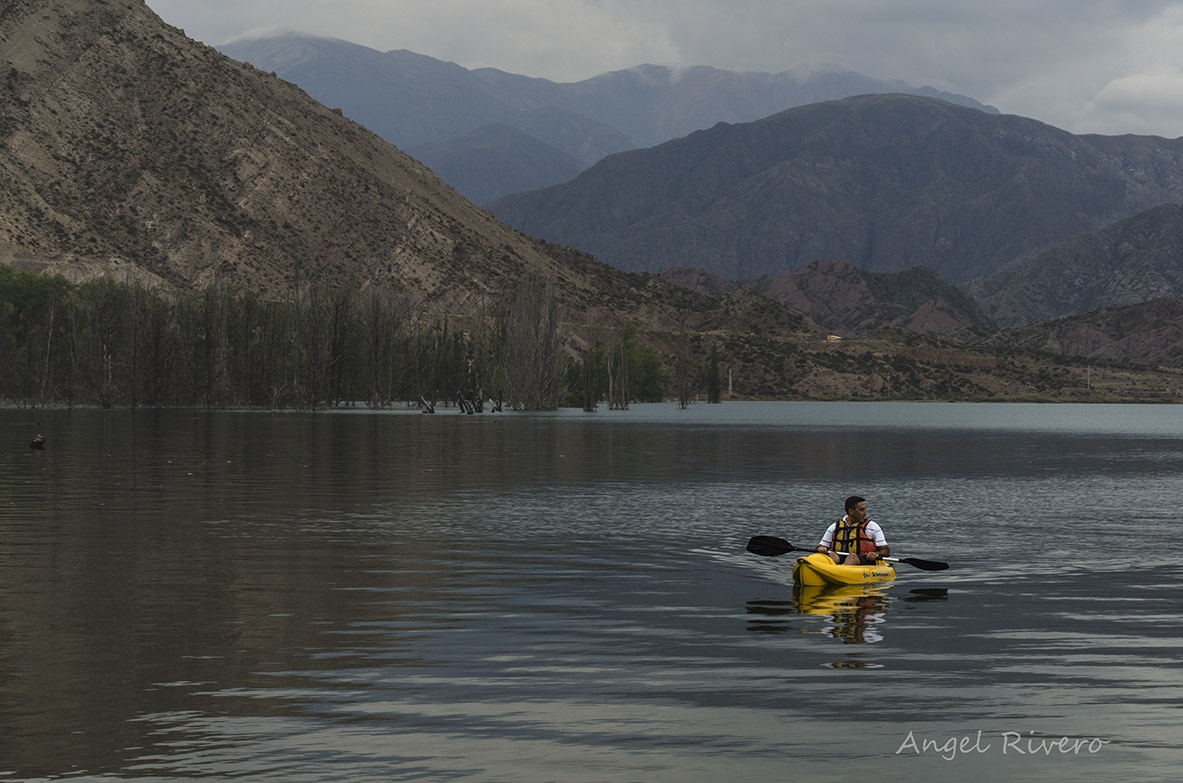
[853,501]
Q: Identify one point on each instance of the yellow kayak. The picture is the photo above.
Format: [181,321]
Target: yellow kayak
[819,569]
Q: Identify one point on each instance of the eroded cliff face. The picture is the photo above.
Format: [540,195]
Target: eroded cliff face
[1136,260]
[128,149]
[850,301]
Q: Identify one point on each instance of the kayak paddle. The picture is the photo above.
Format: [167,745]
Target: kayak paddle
[771,546]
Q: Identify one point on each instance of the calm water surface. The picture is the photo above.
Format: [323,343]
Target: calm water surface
[361,596]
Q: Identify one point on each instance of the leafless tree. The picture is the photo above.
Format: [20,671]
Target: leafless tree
[532,347]
[618,368]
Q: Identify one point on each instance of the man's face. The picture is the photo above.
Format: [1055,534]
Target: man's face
[858,513]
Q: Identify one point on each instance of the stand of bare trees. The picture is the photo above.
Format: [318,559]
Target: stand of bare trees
[110,344]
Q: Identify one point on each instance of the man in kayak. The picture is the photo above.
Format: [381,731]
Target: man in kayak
[859,538]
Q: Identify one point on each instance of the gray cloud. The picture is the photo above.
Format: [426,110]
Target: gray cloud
[1088,66]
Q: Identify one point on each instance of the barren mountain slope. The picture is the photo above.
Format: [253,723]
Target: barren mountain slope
[128,149]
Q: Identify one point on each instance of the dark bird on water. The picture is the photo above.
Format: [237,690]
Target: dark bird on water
[38,442]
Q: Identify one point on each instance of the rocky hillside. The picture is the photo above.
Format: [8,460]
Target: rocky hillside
[432,109]
[884,182]
[126,144]
[916,305]
[1146,333]
[1136,260]
[128,150]
[845,300]
[849,301]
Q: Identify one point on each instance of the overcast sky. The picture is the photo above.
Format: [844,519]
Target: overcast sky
[1087,66]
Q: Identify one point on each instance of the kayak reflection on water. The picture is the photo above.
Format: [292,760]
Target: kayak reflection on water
[853,611]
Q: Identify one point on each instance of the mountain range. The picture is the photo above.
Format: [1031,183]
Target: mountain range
[1124,266]
[489,133]
[754,176]
[132,152]
[885,182]
[1139,259]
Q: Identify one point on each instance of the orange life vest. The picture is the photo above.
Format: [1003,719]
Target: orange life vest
[849,538]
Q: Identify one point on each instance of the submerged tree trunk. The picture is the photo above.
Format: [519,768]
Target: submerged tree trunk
[618,369]
[591,377]
[532,347]
[714,382]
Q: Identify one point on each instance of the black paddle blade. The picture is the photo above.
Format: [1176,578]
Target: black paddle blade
[769,546]
[925,565]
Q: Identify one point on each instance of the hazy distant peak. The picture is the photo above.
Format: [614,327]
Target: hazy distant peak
[649,74]
[803,72]
[271,32]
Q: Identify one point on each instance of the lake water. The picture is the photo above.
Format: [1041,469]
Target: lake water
[362,596]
